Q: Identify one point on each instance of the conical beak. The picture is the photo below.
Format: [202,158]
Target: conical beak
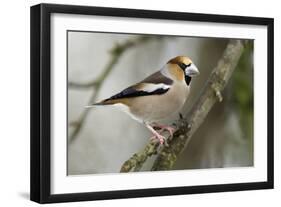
[192,70]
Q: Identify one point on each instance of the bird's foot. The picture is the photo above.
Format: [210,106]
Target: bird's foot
[158,137]
[168,128]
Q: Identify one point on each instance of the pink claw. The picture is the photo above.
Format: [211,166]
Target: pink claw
[170,129]
[156,135]
[159,138]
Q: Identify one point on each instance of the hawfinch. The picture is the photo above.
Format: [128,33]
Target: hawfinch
[158,96]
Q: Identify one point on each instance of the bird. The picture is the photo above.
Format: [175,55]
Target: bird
[156,97]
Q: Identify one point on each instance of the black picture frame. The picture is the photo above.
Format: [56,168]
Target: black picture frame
[40,184]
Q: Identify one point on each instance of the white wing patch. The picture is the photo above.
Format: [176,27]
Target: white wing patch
[150,87]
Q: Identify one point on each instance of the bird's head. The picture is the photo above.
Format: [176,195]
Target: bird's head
[181,67]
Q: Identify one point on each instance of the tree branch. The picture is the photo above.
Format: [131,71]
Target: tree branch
[116,52]
[210,94]
[136,161]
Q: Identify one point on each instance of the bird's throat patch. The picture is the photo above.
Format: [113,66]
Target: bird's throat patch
[187,79]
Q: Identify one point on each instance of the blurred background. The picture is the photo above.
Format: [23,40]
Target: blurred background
[101,139]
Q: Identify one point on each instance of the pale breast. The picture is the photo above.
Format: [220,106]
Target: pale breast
[157,107]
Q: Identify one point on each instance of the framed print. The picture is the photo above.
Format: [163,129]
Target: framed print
[132,103]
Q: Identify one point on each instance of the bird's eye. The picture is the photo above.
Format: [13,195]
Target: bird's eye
[182,66]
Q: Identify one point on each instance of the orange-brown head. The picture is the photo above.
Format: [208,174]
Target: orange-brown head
[182,68]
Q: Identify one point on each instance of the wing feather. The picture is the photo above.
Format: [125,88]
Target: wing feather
[141,89]
[155,84]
